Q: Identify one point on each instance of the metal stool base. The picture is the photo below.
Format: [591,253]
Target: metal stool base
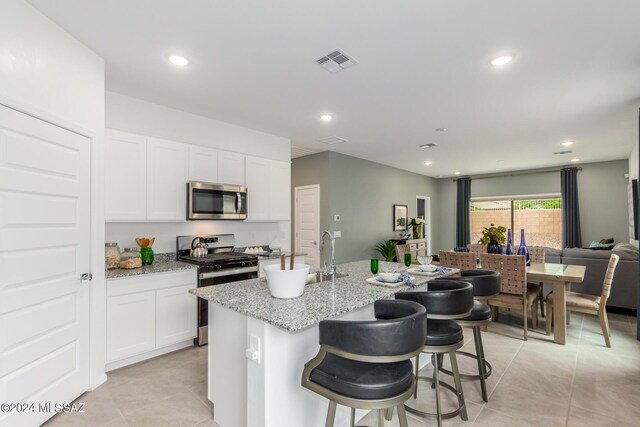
[487,366]
[444,416]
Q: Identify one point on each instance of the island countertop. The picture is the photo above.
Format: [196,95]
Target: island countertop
[319,301]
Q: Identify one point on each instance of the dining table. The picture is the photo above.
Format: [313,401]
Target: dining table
[560,276]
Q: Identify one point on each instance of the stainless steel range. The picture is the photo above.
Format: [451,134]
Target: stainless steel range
[217,264]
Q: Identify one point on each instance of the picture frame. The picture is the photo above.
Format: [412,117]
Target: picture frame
[400,217]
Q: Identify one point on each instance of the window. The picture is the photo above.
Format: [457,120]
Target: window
[540,218]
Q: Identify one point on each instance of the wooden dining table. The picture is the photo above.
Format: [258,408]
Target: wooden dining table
[560,276]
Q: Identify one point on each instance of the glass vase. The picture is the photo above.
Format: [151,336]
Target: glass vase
[509,248]
[522,249]
[147,256]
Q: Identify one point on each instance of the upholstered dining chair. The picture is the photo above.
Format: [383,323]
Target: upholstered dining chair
[461,260]
[514,292]
[590,304]
[536,254]
[401,250]
[477,248]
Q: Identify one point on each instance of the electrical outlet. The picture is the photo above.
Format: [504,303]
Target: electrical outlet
[253,352]
[336,218]
[337,234]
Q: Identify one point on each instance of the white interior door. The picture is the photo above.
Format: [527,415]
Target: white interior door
[44,248]
[423,210]
[307,201]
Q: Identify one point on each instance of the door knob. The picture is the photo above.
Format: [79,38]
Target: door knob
[315,243]
[86,277]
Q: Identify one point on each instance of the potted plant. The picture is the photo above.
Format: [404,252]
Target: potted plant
[416,226]
[387,249]
[493,238]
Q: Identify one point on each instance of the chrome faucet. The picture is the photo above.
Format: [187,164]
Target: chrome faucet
[333,255]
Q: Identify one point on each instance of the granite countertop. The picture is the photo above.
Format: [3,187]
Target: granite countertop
[319,301]
[275,255]
[156,267]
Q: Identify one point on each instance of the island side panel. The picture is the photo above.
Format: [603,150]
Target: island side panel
[227,380]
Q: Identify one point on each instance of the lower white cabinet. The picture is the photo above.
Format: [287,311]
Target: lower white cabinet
[131,325]
[149,315]
[175,315]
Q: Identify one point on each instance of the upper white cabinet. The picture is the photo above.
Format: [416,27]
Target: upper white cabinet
[126,171]
[279,190]
[203,164]
[166,180]
[230,168]
[257,183]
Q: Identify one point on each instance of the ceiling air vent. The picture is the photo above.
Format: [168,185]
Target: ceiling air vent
[429,145]
[563,152]
[336,61]
[332,140]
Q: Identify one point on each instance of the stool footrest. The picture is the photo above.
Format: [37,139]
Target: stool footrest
[447,415]
[487,366]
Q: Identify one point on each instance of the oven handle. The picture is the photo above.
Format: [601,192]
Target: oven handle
[223,273]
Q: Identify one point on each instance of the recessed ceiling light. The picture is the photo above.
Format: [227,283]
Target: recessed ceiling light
[456,173]
[180,61]
[326,117]
[575,160]
[441,129]
[567,143]
[427,163]
[501,60]
[429,145]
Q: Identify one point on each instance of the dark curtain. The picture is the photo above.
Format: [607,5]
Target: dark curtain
[571,236]
[463,223]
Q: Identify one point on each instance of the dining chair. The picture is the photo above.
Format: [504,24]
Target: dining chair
[477,248]
[536,254]
[514,293]
[590,304]
[461,260]
[401,250]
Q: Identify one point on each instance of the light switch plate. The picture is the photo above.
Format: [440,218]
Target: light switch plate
[337,234]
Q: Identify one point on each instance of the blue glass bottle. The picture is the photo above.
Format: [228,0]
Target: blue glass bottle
[509,248]
[522,249]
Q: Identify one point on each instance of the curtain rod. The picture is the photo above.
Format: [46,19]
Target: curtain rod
[516,173]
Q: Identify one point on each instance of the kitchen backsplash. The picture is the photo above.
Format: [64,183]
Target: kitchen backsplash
[246,233]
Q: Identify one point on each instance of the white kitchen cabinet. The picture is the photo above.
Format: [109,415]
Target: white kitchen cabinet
[126,171]
[175,315]
[264,262]
[166,180]
[279,190]
[149,315]
[258,191]
[231,168]
[131,324]
[203,164]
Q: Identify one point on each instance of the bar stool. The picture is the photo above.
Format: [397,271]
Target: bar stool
[367,364]
[444,300]
[486,284]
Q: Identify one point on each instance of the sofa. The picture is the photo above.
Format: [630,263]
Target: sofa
[625,281]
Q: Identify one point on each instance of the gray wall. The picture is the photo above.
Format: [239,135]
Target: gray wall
[602,194]
[363,193]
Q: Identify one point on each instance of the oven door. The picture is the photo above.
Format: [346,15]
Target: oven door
[217,278]
[216,201]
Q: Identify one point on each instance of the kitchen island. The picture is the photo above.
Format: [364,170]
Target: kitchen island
[258,346]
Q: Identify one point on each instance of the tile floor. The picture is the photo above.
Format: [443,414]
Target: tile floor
[534,383]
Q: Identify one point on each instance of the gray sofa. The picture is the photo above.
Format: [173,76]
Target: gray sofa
[625,281]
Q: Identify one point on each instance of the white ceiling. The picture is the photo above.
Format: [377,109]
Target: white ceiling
[422,64]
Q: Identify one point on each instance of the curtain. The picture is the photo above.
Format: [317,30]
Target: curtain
[463,223]
[571,235]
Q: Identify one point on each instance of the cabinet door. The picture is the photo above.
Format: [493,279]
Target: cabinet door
[176,311]
[203,164]
[280,190]
[257,183]
[166,180]
[126,172]
[131,324]
[230,168]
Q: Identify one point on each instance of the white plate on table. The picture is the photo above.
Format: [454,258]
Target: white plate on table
[418,272]
[374,281]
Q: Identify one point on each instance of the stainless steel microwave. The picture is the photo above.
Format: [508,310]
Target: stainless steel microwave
[216,201]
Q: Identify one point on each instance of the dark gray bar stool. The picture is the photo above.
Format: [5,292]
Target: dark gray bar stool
[444,300]
[367,364]
[486,284]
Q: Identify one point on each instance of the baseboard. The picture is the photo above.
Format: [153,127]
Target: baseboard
[621,310]
[148,355]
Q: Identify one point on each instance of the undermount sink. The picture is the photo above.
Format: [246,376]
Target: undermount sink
[318,277]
